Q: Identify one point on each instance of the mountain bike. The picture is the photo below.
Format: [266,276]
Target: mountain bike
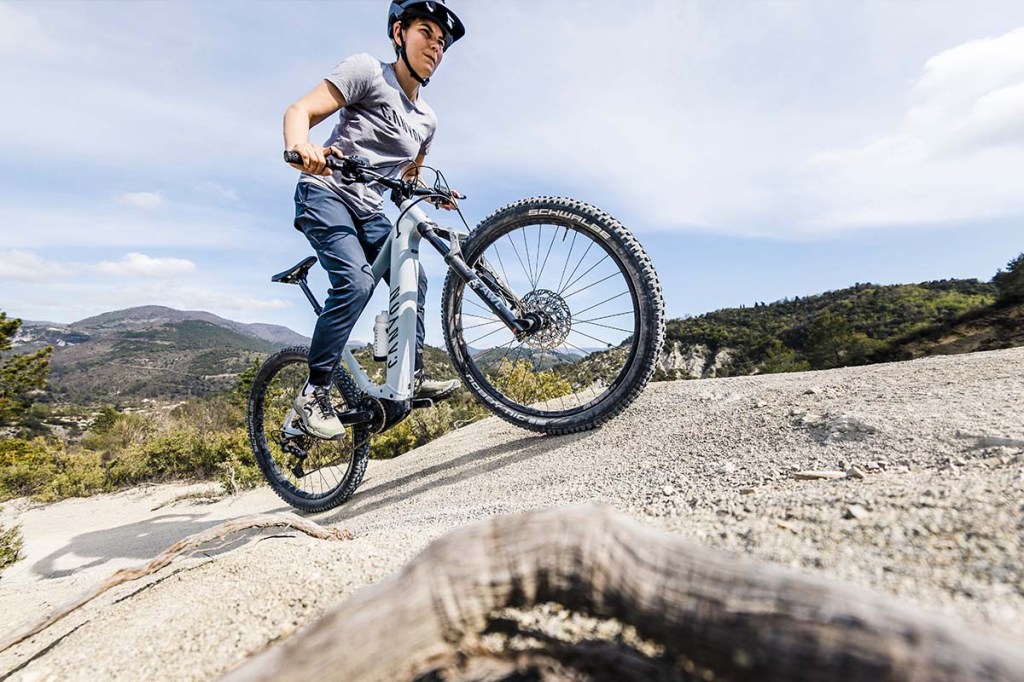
[553,317]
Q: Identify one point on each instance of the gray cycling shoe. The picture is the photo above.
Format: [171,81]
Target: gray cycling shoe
[317,414]
[429,389]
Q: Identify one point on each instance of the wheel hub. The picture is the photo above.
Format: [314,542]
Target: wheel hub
[554,316]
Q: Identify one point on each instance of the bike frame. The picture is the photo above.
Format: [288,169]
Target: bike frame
[400,253]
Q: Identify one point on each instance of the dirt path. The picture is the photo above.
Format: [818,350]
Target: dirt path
[929,509]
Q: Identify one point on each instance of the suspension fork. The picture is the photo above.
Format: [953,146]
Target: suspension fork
[453,257]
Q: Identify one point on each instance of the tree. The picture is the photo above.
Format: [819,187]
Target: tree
[1010,283]
[828,337]
[20,374]
[778,357]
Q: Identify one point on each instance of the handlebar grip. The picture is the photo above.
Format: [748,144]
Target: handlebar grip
[333,162]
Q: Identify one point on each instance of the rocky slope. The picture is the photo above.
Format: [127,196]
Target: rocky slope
[903,478]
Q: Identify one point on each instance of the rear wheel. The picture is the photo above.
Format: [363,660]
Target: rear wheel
[598,305]
[308,473]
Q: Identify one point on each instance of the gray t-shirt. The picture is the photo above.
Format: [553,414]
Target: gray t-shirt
[378,122]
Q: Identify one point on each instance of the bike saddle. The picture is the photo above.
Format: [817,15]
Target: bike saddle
[296,273]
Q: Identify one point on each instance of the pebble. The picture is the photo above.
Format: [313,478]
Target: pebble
[855,472]
[818,475]
[669,490]
[855,511]
[726,468]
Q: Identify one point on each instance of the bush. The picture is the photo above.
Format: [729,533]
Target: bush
[11,543]
[421,427]
[27,466]
[521,383]
[1010,283]
[201,439]
[781,358]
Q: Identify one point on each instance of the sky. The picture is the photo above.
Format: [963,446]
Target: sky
[759,150]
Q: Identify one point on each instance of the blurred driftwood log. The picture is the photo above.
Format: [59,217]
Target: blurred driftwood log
[739,618]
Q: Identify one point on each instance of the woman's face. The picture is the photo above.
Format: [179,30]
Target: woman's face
[424,45]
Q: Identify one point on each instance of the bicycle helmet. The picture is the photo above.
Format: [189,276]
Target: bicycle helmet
[434,10]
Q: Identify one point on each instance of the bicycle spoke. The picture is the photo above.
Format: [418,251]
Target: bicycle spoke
[483,324]
[604,317]
[568,258]
[540,231]
[565,296]
[548,254]
[502,264]
[586,353]
[602,302]
[486,310]
[519,258]
[493,362]
[627,331]
[577,331]
[589,270]
[470,343]
[582,258]
[526,248]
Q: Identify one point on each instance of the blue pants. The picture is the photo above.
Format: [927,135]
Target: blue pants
[346,246]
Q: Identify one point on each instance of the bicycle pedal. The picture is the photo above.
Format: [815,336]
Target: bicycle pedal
[418,403]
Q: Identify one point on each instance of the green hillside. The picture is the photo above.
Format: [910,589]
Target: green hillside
[170,362]
[848,326]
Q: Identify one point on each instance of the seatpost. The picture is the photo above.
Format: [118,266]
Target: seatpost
[309,294]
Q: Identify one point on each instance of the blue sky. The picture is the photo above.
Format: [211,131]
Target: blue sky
[759,150]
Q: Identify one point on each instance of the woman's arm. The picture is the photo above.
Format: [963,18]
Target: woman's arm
[312,108]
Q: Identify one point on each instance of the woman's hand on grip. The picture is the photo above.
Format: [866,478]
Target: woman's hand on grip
[314,158]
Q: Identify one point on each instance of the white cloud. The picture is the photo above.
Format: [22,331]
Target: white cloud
[957,155]
[141,265]
[22,34]
[64,223]
[229,194]
[26,266]
[146,200]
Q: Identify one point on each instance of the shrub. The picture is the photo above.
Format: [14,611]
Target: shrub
[421,427]
[26,466]
[201,439]
[11,543]
[1010,283]
[781,358]
[521,383]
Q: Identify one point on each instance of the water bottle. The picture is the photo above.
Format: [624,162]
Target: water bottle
[380,337]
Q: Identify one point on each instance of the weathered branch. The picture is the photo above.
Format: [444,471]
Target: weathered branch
[739,617]
[168,555]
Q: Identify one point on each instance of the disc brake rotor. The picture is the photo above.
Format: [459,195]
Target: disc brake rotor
[556,316]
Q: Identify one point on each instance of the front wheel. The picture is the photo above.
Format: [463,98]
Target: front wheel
[601,315]
[309,473]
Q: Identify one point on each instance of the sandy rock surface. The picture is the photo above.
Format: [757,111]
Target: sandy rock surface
[904,478]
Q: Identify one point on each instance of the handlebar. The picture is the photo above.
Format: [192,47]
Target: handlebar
[357,169]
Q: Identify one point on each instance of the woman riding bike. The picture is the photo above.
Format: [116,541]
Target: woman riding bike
[384,118]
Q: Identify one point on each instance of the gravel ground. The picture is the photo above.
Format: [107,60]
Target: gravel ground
[905,478]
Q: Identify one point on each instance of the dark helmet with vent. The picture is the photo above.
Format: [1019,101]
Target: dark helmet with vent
[434,10]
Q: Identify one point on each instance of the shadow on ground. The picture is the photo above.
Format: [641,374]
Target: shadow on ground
[143,540]
[462,468]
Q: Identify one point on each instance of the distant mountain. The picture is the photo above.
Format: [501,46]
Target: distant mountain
[151,317]
[149,352]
